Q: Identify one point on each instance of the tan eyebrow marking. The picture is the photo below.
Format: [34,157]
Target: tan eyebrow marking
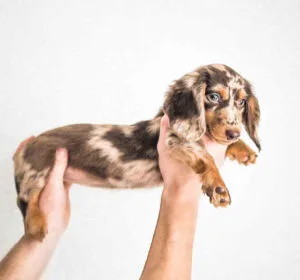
[224,93]
[241,94]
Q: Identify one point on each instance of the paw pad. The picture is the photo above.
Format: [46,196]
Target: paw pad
[220,197]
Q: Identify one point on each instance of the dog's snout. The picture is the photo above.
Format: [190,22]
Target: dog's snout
[232,134]
[231,122]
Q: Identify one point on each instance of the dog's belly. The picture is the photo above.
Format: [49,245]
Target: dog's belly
[135,174]
[77,176]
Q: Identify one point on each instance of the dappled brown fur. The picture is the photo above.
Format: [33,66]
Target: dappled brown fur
[213,100]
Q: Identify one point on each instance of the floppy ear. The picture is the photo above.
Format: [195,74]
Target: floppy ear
[251,119]
[184,104]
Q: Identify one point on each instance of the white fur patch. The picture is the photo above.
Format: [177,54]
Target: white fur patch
[234,83]
[31,178]
[137,174]
[190,79]
[154,126]
[97,143]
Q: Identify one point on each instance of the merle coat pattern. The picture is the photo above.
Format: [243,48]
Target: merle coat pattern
[213,100]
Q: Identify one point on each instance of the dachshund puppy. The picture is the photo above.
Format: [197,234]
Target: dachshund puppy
[212,100]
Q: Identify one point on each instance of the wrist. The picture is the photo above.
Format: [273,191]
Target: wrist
[51,238]
[180,213]
[175,193]
[57,223]
[56,232]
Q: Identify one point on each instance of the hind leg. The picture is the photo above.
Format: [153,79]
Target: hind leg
[29,187]
[29,184]
[35,222]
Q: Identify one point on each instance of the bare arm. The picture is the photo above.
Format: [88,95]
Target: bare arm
[29,258]
[170,255]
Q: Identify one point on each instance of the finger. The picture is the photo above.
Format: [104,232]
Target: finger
[164,125]
[23,143]
[60,165]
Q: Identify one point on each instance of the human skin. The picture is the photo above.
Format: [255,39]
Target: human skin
[170,254]
[29,258]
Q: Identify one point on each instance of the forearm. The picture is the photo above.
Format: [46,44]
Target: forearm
[28,259]
[170,255]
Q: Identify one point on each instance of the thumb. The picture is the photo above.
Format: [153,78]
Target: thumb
[164,125]
[59,167]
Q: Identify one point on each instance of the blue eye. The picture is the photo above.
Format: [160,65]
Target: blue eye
[242,102]
[214,97]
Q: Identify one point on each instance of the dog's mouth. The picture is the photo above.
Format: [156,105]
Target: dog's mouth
[220,138]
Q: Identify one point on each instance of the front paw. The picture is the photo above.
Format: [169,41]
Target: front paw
[218,195]
[242,153]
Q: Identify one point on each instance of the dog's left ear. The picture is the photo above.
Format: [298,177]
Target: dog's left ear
[251,116]
[184,105]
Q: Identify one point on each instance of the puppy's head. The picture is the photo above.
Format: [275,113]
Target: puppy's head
[215,100]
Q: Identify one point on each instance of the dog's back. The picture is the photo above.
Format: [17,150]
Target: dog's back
[99,155]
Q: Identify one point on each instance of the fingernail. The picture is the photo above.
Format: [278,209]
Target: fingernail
[168,121]
[61,152]
[165,120]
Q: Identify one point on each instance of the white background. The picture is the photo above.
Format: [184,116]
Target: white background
[65,62]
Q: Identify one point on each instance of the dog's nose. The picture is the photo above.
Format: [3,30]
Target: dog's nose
[232,134]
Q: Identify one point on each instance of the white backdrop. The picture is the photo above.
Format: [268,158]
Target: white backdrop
[65,62]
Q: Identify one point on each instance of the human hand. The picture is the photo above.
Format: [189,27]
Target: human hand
[174,172]
[29,257]
[54,199]
[216,150]
[177,174]
[170,255]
